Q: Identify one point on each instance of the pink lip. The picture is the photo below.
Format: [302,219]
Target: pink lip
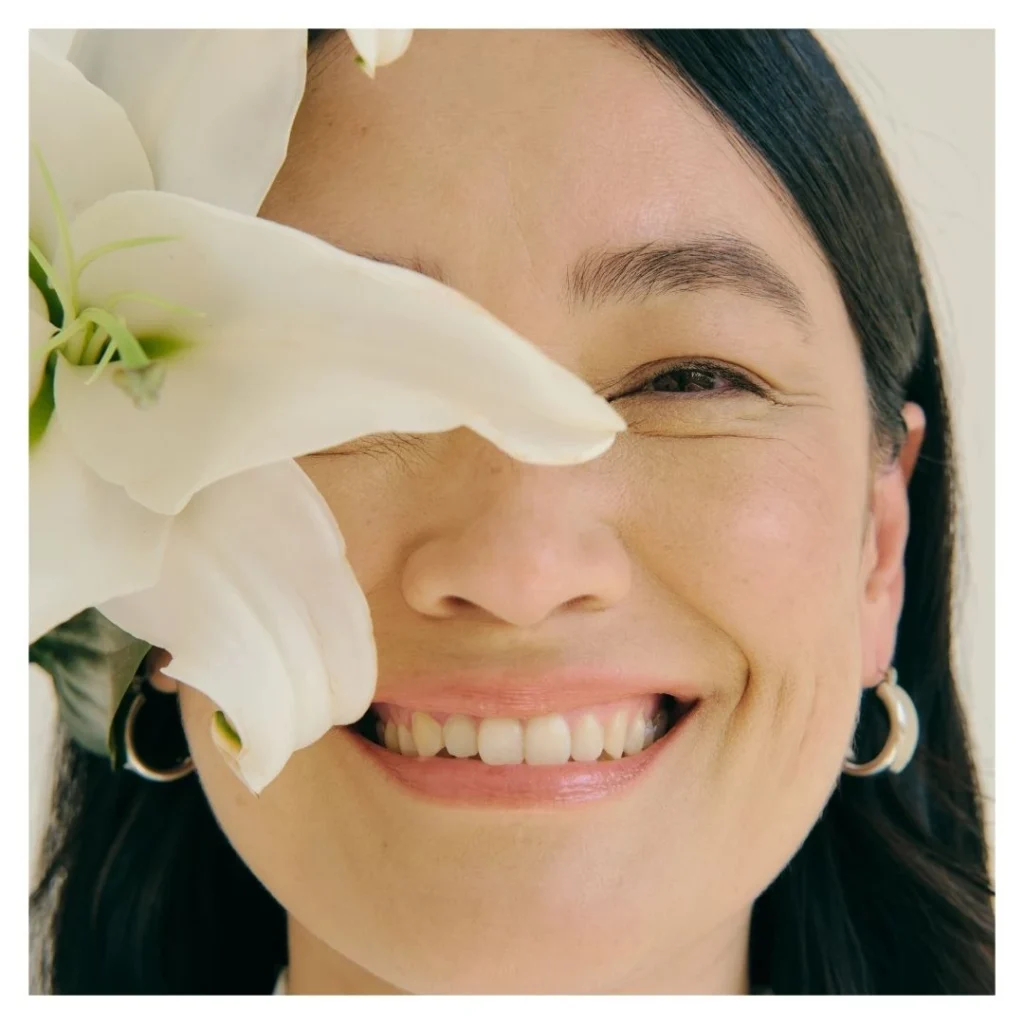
[473,782]
[514,694]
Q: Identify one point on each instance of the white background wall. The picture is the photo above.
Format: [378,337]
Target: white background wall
[930,96]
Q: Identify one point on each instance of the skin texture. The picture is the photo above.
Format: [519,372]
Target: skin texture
[753,546]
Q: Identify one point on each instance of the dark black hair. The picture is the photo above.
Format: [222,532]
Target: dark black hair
[890,892]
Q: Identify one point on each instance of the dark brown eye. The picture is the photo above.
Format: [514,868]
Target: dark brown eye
[700,378]
[688,380]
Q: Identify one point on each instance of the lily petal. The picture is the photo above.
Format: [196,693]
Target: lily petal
[88,540]
[302,347]
[39,329]
[379,46]
[56,41]
[214,110]
[261,612]
[89,147]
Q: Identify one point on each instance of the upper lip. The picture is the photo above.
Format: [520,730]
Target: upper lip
[515,694]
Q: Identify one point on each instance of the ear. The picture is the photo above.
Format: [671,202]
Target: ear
[158,657]
[884,547]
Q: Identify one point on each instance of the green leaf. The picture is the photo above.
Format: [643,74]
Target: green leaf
[92,663]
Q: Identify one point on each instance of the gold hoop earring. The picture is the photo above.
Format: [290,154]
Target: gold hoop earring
[134,763]
[904,730]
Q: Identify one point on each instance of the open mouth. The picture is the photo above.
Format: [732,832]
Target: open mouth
[605,732]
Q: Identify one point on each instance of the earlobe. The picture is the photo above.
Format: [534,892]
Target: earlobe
[156,660]
[890,526]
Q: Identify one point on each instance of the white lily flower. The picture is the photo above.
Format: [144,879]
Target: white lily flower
[195,351]
[379,46]
[213,109]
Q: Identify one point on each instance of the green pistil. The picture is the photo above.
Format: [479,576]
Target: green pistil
[128,346]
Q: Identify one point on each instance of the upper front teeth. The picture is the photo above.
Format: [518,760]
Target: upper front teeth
[615,731]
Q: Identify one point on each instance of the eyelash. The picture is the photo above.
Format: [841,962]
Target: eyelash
[737,380]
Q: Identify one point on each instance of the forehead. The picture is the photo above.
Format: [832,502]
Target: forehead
[503,156]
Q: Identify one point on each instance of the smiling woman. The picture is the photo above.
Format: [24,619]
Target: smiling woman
[596,675]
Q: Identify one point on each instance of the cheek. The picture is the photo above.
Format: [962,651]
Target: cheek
[281,833]
[757,542]
[376,507]
[752,532]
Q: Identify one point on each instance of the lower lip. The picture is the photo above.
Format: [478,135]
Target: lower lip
[467,781]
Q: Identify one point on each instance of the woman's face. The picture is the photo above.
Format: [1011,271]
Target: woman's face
[740,544]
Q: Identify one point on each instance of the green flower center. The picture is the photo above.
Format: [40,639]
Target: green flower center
[95,335]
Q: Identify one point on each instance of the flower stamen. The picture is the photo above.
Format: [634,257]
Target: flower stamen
[128,347]
[97,338]
[95,335]
[62,227]
[129,243]
[63,295]
[113,301]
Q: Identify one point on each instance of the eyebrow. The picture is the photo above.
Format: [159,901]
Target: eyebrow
[636,273]
[698,264]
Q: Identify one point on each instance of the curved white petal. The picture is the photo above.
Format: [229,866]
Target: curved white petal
[39,330]
[86,141]
[261,611]
[56,41]
[213,108]
[379,46]
[303,347]
[88,541]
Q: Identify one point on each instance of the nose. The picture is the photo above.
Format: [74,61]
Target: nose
[520,544]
